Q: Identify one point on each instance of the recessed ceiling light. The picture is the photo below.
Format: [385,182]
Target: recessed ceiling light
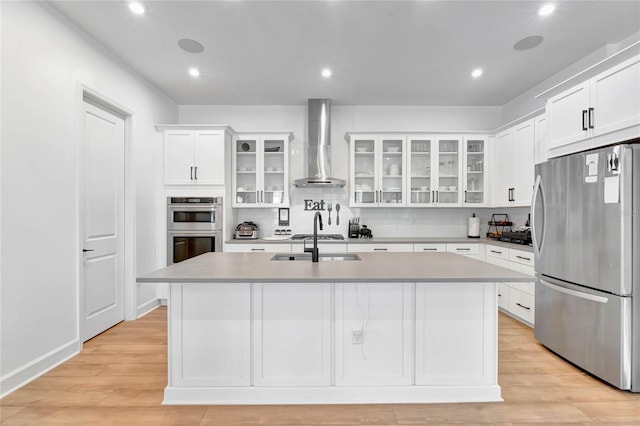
[326,73]
[190,46]
[546,9]
[136,8]
[528,43]
[476,73]
[194,72]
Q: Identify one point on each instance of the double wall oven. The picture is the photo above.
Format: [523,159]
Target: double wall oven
[194,227]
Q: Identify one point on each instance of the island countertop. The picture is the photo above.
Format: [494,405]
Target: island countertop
[374,267]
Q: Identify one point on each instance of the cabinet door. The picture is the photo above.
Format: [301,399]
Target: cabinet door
[364,178]
[566,113]
[455,333]
[245,171]
[374,334]
[474,166]
[615,98]
[292,334]
[208,158]
[503,167]
[541,139]
[211,326]
[419,171]
[523,174]
[392,171]
[274,191]
[449,171]
[178,157]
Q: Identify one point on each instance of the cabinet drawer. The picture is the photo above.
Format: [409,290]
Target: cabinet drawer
[429,247]
[366,247]
[522,257]
[503,295]
[322,247]
[259,248]
[499,262]
[497,252]
[522,268]
[521,304]
[528,287]
[465,249]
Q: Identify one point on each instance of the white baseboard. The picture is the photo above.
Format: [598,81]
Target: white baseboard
[36,368]
[329,395]
[147,307]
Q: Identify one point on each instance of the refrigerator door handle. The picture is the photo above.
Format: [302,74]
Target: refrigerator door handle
[593,298]
[537,245]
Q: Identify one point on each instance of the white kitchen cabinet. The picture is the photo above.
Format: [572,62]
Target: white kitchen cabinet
[448,167]
[474,171]
[452,345]
[540,154]
[258,248]
[194,156]
[380,247]
[513,168]
[373,334]
[378,171]
[472,250]
[322,247]
[292,334]
[599,111]
[212,322]
[420,170]
[515,298]
[261,170]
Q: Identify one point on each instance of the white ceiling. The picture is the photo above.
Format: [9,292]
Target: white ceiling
[381,52]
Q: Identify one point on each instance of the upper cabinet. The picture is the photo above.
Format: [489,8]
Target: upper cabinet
[378,170]
[447,178]
[513,169]
[194,155]
[474,169]
[602,110]
[261,170]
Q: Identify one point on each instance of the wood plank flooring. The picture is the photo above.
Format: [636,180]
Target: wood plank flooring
[120,375]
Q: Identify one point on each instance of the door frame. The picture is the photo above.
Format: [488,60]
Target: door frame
[130,289]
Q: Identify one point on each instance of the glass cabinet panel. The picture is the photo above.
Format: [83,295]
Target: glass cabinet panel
[420,169]
[392,165]
[448,191]
[246,171]
[364,190]
[273,172]
[475,171]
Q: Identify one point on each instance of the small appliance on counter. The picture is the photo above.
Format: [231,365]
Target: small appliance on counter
[517,236]
[354,228]
[365,232]
[473,228]
[247,231]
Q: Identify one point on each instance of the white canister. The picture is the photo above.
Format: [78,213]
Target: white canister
[473,228]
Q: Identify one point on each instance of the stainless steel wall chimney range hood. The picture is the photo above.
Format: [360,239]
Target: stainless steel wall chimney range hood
[319,148]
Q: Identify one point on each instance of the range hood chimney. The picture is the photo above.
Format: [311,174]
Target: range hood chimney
[319,148]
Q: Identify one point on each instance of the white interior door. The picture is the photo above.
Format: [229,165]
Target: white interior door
[102,291]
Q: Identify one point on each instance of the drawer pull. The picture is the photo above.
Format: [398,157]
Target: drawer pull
[380,249]
[462,249]
[257,249]
[495,251]
[522,306]
[429,249]
[524,258]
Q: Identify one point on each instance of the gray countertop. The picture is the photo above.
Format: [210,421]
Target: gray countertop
[397,240]
[374,267]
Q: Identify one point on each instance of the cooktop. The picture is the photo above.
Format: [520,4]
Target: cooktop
[320,237]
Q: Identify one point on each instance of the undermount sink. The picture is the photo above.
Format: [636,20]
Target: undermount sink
[321,257]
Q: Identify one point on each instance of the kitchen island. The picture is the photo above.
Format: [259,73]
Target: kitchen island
[389,328]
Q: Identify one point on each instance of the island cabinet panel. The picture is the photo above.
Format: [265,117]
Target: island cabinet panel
[455,334]
[212,324]
[292,334]
[373,334]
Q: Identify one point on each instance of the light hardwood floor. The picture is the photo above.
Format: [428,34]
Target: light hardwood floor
[120,375]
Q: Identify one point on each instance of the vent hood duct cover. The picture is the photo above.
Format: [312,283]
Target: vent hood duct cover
[319,148]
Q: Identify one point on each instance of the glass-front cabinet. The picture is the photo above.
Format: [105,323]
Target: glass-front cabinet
[447,188]
[420,175]
[474,171]
[378,164]
[261,170]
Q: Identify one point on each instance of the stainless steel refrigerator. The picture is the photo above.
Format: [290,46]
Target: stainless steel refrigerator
[586,238]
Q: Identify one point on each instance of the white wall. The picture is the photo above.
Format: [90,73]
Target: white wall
[344,119]
[43,60]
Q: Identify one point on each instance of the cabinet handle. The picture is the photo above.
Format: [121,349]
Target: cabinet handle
[433,196]
[462,249]
[257,249]
[523,258]
[86,250]
[429,249]
[584,119]
[465,196]
[380,249]
[499,295]
[495,251]
[522,306]
[195,172]
[437,196]
[591,117]
[191,172]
